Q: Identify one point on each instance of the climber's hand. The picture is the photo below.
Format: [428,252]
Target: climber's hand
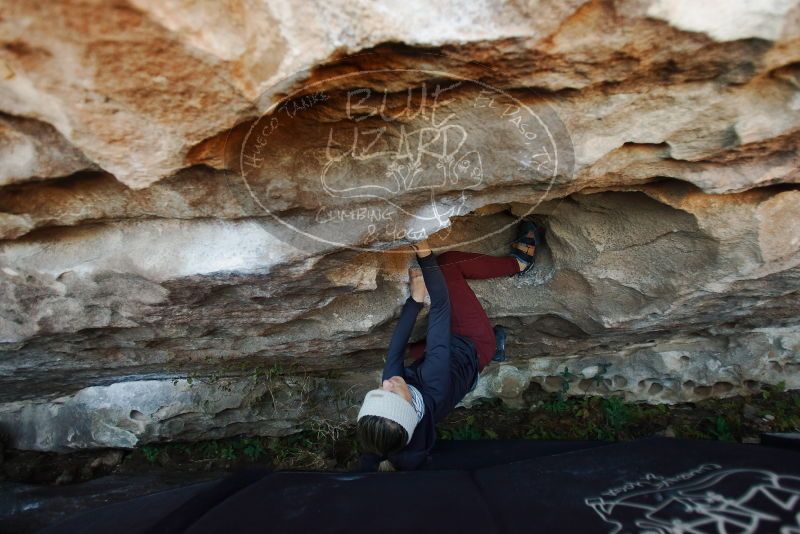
[422,248]
[416,284]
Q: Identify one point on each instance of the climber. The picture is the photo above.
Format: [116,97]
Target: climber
[396,423]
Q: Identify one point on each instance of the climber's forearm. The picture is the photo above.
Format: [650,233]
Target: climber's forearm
[434,281]
[397,346]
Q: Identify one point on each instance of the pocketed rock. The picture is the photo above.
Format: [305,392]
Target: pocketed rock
[685,370]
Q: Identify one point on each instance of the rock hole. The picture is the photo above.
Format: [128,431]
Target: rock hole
[136,415]
[752,385]
[535,387]
[619,381]
[689,384]
[655,389]
[721,388]
[586,384]
[553,382]
[702,391]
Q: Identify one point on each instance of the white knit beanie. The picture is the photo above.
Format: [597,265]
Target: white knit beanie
[391,406]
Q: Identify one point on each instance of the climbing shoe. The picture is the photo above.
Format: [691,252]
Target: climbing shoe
[500,344]
[530,235]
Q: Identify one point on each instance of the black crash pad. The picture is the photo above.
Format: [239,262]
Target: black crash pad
[654,485]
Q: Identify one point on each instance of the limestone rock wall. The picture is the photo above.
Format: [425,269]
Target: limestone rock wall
[167,168]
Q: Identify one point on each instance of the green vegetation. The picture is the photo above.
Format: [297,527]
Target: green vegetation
[464,432]
[151,453]
[312,448]
[720,430]
[324,444]
[201,451]
[612,419]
